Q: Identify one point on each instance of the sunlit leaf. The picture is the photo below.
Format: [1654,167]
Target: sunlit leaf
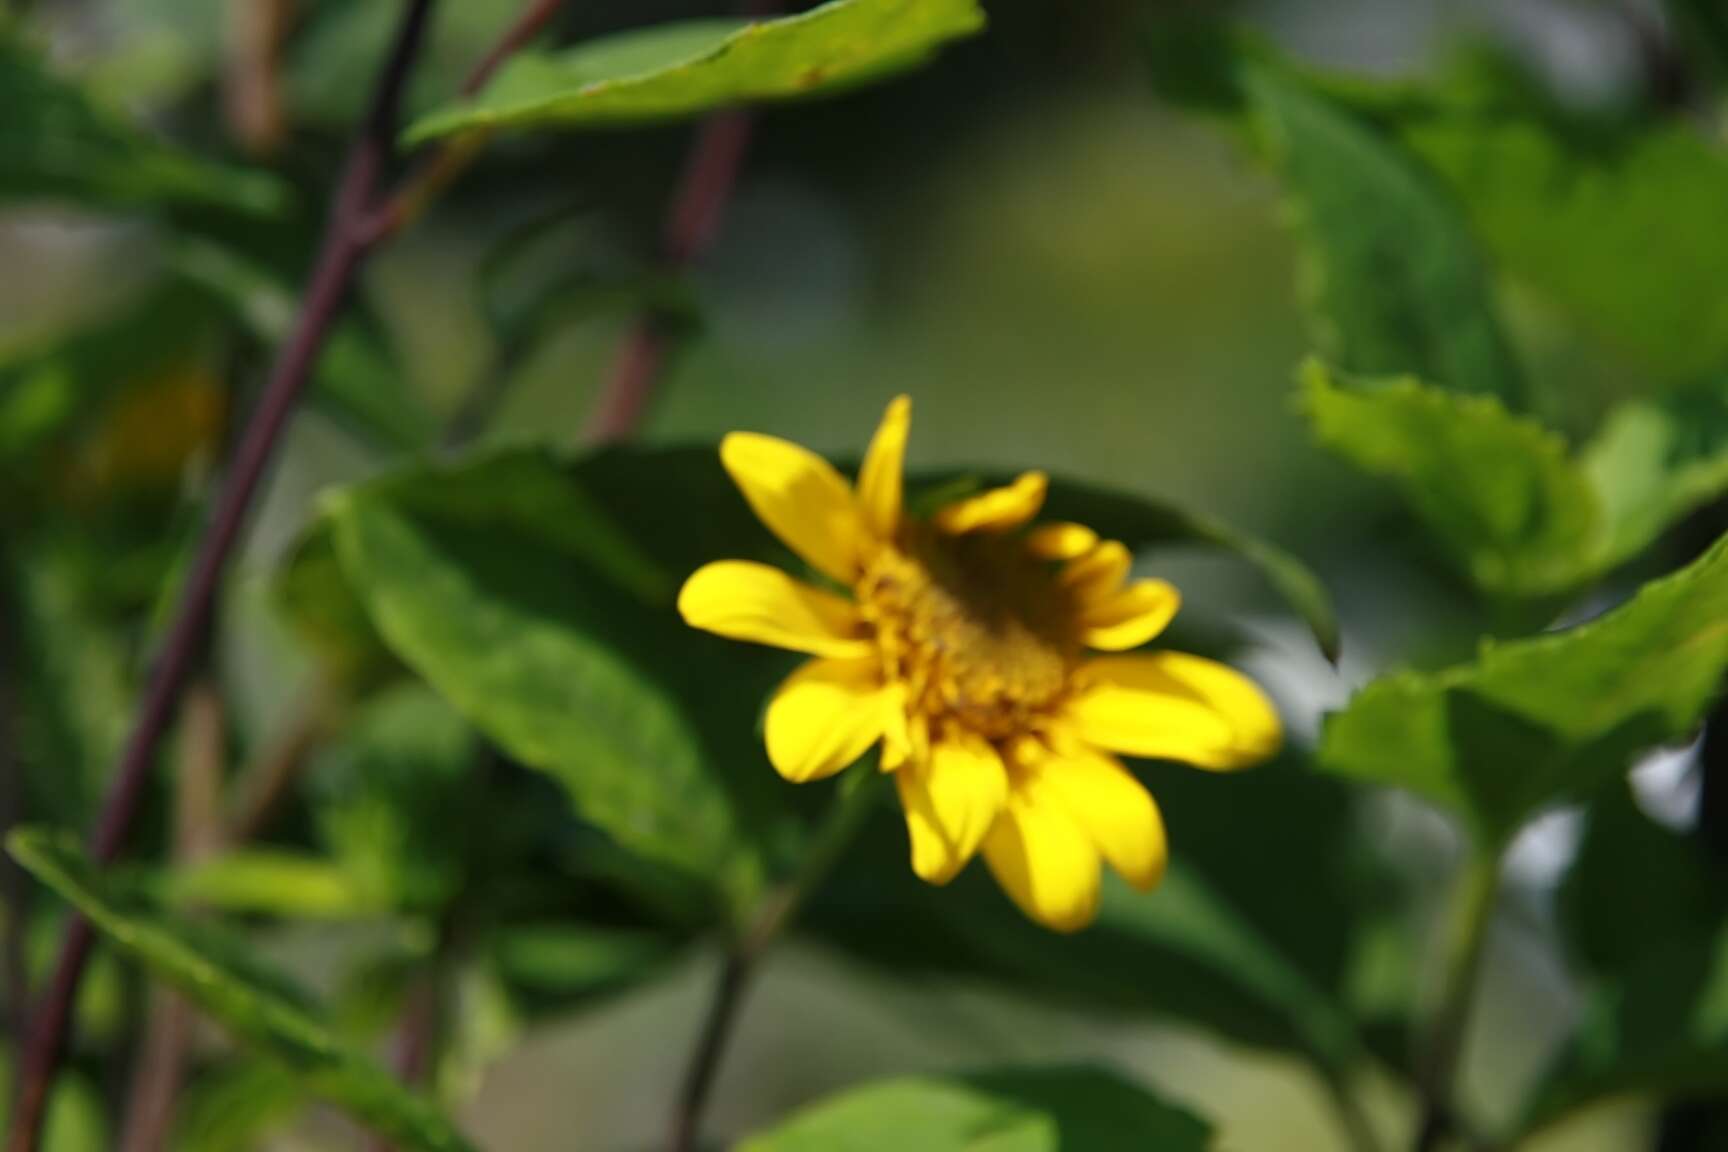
[682,70]
[246,998]
[1533,722]
[1024,1110]
[1654,462]
[1520,513]
[271,883]
[1500,492]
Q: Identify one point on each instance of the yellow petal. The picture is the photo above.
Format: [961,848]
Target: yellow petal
[800,497]
[1099,573]
[824,717]
[1061,541]
[1130,617]
[997,510]
[1173,706]
[746,601]
[1043,860]
[950,799]
[1113,809]
[881,477]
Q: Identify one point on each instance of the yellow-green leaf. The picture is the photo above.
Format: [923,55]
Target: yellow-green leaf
[681,70]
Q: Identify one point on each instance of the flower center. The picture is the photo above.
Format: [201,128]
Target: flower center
[975,626]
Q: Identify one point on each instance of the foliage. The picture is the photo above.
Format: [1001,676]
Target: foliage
[256,1004]
[680,70]
[473,774]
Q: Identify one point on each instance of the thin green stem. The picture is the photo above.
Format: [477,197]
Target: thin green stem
[857,792]
[1473,913]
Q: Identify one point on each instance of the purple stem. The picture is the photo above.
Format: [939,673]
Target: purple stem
[346,241]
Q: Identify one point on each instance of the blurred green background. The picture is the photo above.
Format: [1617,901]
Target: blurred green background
[1060,270]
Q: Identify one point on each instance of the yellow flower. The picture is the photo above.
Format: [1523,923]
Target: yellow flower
[966,650]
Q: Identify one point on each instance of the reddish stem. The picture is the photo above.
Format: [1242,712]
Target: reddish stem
[698,204]
[345,243]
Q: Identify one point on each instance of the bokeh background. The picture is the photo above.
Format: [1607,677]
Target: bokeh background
[1062,271]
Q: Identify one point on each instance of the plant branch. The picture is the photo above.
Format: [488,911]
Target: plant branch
[858,790]
[344,246]
[453,157]
[1473,914]
[159,1070]
[693,220]
[704,190]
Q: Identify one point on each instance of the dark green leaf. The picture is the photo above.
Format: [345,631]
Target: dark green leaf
[1538,721]
[556,962]
[1394,280]
[1510,504]
[234,1108]
[1025,1110]
[683,70]
[1258,953]
[57,142]
[510,584]
[1643,906]
[396,800]
[245,998]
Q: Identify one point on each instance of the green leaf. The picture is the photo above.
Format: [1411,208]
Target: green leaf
[510,586]
[74,685]
[1394,281]
[1644,909]
[57,142]
[1534,722]
[1024,1110]
[272,883]
[234,990]
[1500,492]
[395,800]
[236,1107]
[1654,463]
[683,70]
[556,963]
[509,583]
[1612,224]
[77,1120]
[1517,511]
